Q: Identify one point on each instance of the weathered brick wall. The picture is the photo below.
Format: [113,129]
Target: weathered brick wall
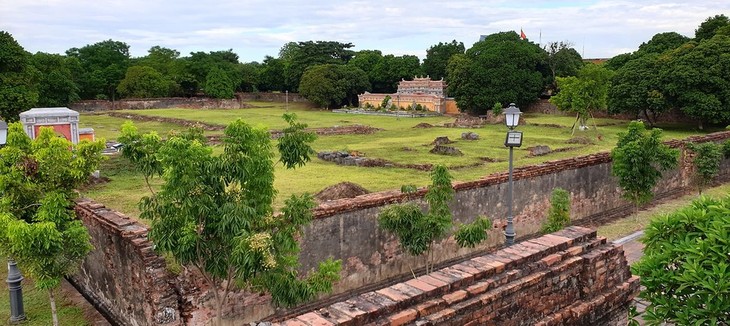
[272,97]
[126,278]
[570,277]
[158,103]
[183,102]
[347,229]
[122,275]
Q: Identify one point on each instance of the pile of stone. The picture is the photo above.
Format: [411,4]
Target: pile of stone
[446,150]
[343,158]
[469,135]
[539,150]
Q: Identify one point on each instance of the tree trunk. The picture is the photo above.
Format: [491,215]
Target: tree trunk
[218,305]
[54,313]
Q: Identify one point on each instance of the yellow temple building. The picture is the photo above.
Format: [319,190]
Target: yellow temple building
[430,94]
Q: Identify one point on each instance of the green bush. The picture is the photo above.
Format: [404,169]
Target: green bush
[559,213]
[706,162]
[685,268]
[497,109]
[726,148]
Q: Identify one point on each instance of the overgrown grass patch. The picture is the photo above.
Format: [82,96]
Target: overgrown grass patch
[397,142]
[639,221]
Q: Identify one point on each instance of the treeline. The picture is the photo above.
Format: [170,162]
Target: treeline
[669,71]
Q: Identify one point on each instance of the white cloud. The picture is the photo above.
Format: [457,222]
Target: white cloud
[254,28]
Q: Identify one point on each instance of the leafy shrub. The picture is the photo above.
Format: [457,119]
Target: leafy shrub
[726,148]
[685,267]
[470,235]
[706,162]
[497,109]
[559,213]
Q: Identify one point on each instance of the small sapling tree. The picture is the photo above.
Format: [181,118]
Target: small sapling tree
[726,148]
[706,162]
[638,161]
[685,268]
[215,213]
[417,231]
[559,212]
[38,226]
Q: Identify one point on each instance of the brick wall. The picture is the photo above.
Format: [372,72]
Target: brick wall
[158,103]
[127,278]
[122,275]
[183,102]
[570,277]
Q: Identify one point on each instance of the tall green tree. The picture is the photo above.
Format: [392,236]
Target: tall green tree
[662,42]
[584,93]
[102,66]
[56,86]
[272,75]
[18,79]
[144,82]
[637,88]
[639,159]
[332,86]
[437,57]
[38,226]
[392,69]
[502,68]
[562,60]
[215,213]
[302,55]
[200,65]
[685,270]
[706,162]
[711,26]
[696,77]
[167,62]
[218,84]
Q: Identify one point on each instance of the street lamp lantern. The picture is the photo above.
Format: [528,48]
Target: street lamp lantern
[3,133]
[514,139]
[512,116]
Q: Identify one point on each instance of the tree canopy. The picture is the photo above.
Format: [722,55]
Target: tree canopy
[102,67]
[502,68]
[332,86]
[697,77]
[584,93]
[215,212]
[38,226]
[18,79]
[437,58]
[636,88]
[144,81]
[639,159]
[685,269]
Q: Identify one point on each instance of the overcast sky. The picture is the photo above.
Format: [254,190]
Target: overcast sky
[255,28]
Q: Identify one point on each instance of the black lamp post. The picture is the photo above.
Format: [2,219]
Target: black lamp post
[514,139]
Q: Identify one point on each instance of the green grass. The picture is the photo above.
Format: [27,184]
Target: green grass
[639,221]
[37,305]
[398,142]
[108,127]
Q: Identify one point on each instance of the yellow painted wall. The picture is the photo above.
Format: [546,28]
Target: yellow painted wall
[451,107]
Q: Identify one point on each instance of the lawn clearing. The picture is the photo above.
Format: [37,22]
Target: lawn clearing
[397,142]
[639,221]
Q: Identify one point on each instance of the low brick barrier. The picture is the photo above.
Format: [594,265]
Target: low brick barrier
[570,277]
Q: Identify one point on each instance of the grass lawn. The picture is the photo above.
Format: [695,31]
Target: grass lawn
[398,142]
[37,305]
[635,222]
